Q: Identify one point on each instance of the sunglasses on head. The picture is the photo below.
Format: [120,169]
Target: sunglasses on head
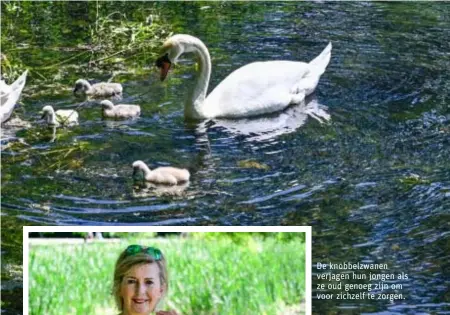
[136,249]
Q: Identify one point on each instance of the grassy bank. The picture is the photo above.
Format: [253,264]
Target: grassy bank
[208,276]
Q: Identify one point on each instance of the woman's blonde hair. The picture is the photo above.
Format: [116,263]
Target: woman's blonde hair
[127,261]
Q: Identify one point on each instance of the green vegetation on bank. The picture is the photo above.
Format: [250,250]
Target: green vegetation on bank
[105,39]
[208,275]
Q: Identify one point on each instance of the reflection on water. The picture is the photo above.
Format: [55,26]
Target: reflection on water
[153,190]
[373,181]
[271,126]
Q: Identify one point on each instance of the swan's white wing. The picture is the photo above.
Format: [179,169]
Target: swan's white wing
[4,88]
[9,95]
[17,87]
[258,88]
[265,87]
[8,100]
[19,84]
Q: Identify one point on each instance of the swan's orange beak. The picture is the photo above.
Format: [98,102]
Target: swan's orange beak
[164,64]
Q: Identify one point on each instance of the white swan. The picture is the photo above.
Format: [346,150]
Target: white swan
[254,89]
[162,175]
[60,117]
[118,111]
[10,94]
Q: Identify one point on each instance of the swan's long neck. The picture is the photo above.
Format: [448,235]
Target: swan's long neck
[195,106]
[147,171]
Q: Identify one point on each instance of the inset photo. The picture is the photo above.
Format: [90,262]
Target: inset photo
[167,270]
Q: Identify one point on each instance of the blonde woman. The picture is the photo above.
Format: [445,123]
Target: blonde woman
[140,281]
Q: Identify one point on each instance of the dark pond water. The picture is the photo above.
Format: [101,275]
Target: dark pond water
[374,182]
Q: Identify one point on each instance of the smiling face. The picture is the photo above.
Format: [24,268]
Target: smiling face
[141,289]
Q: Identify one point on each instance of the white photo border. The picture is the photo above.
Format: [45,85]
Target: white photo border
[187,229]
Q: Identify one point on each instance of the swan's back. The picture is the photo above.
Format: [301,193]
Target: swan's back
[182,175]
[265,87]
[105,89]
[168,175]
[255,89]
[122,111]
[66,117]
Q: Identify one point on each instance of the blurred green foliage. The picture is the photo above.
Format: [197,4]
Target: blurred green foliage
[235,237]
[244,237]
[125,235]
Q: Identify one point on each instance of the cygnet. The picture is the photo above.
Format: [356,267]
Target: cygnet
[65,117]
[120,110]
[162,175]
[97,90]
